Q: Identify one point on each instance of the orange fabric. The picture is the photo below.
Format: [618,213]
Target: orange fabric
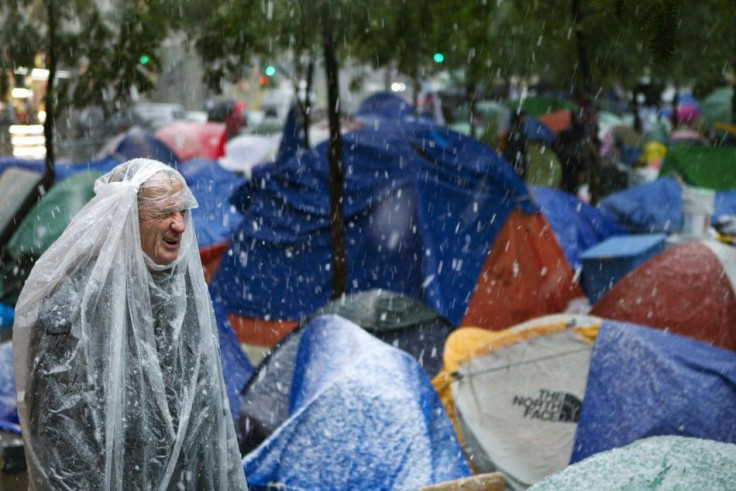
[211,257]
[260,332]
[556,121]
[525,275]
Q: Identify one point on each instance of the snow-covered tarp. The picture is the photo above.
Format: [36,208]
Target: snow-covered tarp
[664,462]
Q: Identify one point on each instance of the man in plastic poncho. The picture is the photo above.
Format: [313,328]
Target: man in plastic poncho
[116,355]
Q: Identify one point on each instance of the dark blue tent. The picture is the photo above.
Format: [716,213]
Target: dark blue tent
[236,367]
[137,143]
[576,225]
[359,415]
[384,105]
[649,208]
[212,185]
[645,382]
[422,205]
[538,132]
[8,403]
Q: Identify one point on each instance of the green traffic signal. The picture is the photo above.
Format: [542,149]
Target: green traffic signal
[439,57]
[270,71]
[144,59]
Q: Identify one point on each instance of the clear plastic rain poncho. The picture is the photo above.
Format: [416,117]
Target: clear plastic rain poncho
[117,361]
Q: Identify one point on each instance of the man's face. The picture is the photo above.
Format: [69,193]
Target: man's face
[162,224]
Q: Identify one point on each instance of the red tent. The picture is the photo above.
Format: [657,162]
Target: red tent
[192,139]
[687,289]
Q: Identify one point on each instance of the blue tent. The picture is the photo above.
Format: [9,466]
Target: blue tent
[360,415]
[236,366]
[136,143]
[645,382]
[384,105]
[649,208]
[212,185]
[536,131]
[62,169]
[657,206]
[422,206]
[576,225]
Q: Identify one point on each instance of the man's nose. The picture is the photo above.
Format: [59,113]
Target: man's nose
[177,222]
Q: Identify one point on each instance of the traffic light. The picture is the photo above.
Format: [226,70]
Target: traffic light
[269,71]
[144,59]
[439,57]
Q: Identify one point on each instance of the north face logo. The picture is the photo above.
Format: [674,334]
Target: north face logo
[550,406]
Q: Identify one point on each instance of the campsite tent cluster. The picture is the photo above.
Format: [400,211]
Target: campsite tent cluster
[456,350]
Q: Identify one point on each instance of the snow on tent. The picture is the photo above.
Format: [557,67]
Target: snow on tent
[664,462]
[40,228]
[215,218]
[577,226]
[351,412]
[429,213]
[701,166]
[515,395]
[403,322]
[645,382]
[688,289]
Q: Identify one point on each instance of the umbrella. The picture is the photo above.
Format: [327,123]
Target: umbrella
[193,139]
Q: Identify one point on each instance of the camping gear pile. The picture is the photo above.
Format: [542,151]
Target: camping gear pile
[455,350]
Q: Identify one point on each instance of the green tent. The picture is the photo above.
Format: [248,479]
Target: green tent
[48,219]
[397,319]
[705,167]
[40,228]
[539,105]
[543,167]
[717,106]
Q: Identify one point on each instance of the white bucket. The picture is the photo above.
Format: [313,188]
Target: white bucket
[697,208]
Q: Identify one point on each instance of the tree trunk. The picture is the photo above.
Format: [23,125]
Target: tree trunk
[675,103]
[471,96]
[307,116]
[50,99]
[336,179]
[594,174]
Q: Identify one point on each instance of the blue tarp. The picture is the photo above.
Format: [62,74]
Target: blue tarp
[362,415]
[645,382]
[649,208]
[8,403]
[215,218]
[236,366]
[577,226]
[657,206]
[62,169]
[422,206]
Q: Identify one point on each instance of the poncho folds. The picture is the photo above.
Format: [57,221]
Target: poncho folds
[116,358]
